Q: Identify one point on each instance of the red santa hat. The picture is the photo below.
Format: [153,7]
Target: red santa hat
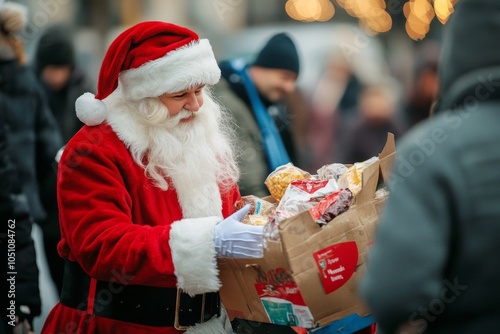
[148,60]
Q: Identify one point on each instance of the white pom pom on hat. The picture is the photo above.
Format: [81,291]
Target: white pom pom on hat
[148,60]
[90,110]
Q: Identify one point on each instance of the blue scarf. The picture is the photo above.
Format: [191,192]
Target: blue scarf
[271,140]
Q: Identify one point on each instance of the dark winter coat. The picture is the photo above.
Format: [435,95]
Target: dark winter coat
[14,211]
[62,106]
[434,262]
[31,129]
[62,103]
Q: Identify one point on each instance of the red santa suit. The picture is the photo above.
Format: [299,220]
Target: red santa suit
[116,225]
[118,229]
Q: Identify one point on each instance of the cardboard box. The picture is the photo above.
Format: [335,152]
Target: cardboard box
[310,277]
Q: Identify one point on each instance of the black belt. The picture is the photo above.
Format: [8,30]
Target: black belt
[144,305]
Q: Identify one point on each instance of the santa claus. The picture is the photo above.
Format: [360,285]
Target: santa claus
[143,189]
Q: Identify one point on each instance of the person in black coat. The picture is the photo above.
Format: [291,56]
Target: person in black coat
[29,129]
[63,82]
[32,130]
[16,225]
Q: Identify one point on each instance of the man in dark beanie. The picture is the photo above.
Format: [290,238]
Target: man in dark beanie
[254,94]
[432,268]
[63,82]
[279,53]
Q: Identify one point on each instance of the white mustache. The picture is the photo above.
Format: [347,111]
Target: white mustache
[182,114]
[172,121]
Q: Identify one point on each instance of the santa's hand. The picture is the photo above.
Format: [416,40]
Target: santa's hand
[237,240]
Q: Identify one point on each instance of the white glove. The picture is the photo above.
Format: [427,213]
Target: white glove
[237,240]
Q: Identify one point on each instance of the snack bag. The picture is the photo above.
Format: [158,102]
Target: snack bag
[301,195]
[353,178]
[331,206]
[260,209]
[258,206]
[281,177]
[271,230]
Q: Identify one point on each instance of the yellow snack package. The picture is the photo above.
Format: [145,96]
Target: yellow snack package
[281,177]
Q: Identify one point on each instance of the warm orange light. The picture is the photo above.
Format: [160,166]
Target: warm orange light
[372,14]
[310,10]
[381,23]
[343,3]
[443,9]
[292,11]
[419,27]
[407,9]
[413,35]
[327,11]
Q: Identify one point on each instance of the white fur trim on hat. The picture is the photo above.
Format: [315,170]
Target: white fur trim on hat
[90,110]
[193,254]
[177,71]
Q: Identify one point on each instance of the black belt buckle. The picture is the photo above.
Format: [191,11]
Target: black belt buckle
[179,306]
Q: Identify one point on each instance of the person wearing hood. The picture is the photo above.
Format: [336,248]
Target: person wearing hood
[254,94]
[62,78]
[432,268]
[63,82]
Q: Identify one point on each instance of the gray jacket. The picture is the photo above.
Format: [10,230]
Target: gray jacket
[434,264]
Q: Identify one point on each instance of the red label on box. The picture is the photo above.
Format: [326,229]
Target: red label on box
[282,299]
[278,283]
[336,264]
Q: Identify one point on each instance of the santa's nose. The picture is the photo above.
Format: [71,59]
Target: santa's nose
[192,104]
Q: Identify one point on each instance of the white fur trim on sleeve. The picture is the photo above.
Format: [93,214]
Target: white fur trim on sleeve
[193,254]
[178,70]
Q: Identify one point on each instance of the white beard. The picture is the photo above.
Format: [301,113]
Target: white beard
[196,156]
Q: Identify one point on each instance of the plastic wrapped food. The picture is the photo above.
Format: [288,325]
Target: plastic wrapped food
[353,177]
[260,210]
[279,179]
[258,206]
[332,206]
[302,195]
[271,230]
[332,171]
[258,220]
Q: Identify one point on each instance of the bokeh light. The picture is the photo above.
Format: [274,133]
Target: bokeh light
[372,15]
[310,10]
